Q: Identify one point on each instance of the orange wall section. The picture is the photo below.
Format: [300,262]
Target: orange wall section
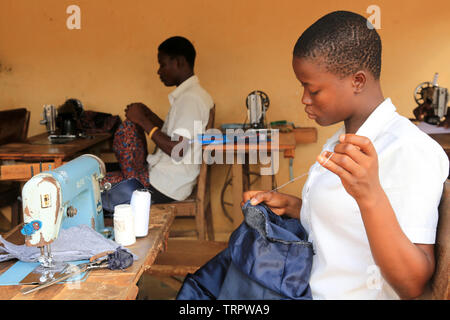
[242,45]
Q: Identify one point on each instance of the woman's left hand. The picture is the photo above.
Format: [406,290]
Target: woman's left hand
[355,161]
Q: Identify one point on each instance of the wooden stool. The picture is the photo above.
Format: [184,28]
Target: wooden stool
[183,257]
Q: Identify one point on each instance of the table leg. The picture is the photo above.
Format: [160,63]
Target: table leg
[268,172]
[237,194]
[266,182]
[246,176]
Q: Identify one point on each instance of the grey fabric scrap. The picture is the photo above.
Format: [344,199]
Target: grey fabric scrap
[76,243]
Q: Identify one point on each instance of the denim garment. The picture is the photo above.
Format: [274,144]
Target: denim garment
[268,257]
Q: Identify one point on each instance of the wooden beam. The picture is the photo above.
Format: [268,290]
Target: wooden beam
[305,135]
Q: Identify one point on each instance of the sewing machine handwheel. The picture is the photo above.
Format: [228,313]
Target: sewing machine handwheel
[264,99]
[418,92]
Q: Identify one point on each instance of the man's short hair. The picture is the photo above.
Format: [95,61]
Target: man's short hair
[345,40]
[179,46]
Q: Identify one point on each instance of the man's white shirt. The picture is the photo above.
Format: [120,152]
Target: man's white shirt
[189,103]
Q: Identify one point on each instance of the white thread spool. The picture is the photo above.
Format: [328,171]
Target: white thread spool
[124,225]
[140,206]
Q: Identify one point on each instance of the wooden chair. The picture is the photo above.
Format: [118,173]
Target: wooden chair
[437,288]
[198,204]
[14,125]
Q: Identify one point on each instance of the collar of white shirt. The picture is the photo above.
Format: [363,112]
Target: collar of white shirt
[373,125]
[185,85]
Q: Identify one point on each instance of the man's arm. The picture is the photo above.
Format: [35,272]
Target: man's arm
[137,110]
[165,143]
[141,115]
[157,121]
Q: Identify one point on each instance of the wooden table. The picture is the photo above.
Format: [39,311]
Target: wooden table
[38,154]
[286,145]
[444,140]
[102,284]
[440,134]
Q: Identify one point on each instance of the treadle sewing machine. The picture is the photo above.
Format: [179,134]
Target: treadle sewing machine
[432,103]
[64,197]
[257,103]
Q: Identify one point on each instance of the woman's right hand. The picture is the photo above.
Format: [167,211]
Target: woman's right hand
[279,203]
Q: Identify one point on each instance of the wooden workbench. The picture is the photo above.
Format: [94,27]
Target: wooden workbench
[101,284]
[37,154]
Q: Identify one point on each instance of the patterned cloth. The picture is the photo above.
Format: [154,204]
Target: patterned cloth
[130,148]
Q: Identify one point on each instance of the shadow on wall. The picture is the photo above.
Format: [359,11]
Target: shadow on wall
[5,69]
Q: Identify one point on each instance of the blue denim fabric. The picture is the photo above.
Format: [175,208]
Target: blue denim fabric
[268,257]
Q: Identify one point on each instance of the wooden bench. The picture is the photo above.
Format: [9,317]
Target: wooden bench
[183,257]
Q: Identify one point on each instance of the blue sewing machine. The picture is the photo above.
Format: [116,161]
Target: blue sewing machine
[64,197]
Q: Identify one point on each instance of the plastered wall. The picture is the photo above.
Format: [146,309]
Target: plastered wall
[242,45]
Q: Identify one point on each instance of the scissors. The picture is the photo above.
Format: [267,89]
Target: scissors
[98,261]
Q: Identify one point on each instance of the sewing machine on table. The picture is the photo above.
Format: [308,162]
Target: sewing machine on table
[62,198]
[432,103]
[61,122]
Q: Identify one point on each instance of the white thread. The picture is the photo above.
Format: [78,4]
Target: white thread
[283,185]
[300,176]
[140,206]
[124,225]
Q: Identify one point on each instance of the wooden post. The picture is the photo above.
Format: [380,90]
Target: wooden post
[237,194]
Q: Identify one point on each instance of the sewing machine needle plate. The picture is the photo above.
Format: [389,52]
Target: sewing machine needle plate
[41,275]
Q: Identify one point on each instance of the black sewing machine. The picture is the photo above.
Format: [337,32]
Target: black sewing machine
[61,123]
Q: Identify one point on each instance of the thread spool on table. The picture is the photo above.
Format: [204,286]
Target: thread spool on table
[124,225]
[140,206]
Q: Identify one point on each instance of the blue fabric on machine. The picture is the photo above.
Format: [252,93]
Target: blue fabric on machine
[268,257]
